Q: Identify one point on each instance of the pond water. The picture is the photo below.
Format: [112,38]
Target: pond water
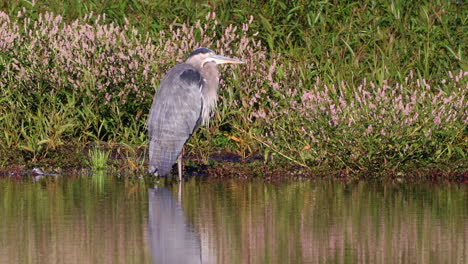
[106,219]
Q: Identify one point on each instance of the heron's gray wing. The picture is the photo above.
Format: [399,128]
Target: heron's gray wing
[174,116]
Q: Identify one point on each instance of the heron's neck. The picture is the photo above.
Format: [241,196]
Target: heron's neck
[209,90]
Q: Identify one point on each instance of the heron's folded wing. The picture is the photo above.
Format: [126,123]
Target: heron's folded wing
[174,116]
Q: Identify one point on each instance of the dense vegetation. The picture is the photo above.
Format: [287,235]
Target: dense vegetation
[366,87]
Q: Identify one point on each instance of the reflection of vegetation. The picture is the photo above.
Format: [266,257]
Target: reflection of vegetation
[99,179]
[67,219]
[312,222]
[238,222]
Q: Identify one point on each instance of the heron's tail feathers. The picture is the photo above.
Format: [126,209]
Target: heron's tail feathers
[162,163]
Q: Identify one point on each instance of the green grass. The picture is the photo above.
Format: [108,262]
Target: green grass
[98,159]
[294,48]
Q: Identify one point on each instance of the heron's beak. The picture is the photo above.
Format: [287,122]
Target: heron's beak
[221,60]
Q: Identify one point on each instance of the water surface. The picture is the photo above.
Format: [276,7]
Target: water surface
[104,219]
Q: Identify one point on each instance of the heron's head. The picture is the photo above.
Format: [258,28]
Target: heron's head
[200,56]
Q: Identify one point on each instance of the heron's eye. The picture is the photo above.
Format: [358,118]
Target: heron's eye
[207,60]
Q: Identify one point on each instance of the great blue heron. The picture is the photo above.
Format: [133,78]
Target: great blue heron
[186,97]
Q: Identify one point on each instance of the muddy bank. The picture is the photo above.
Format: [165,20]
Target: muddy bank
[221,165]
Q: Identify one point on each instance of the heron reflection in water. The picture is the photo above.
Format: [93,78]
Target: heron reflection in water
[172,238]
[185,99]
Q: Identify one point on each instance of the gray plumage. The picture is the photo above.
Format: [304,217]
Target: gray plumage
[186,97]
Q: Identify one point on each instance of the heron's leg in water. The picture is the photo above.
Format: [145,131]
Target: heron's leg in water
[179,166]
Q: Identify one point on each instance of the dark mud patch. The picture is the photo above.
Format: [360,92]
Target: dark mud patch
[232,166]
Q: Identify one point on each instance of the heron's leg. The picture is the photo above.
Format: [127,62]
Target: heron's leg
[179,166]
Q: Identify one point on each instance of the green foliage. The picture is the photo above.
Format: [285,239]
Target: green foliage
[101,90]
[346,40]
[36,126]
